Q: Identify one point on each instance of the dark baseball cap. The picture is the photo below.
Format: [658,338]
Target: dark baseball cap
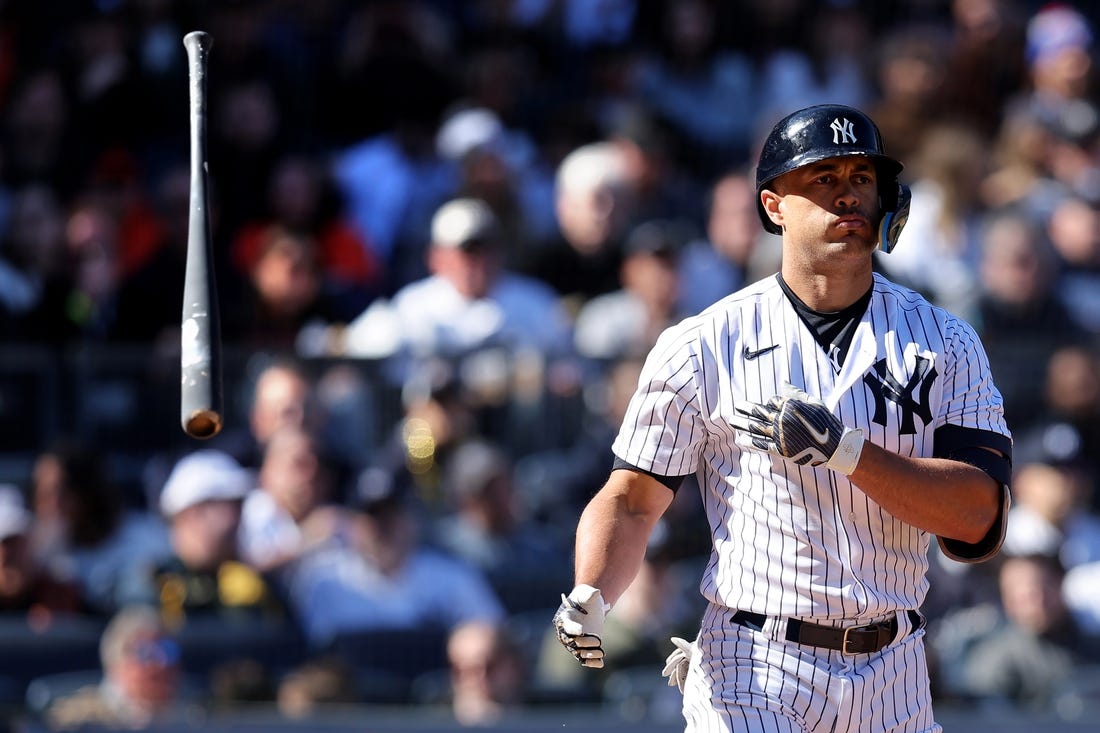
[379,490]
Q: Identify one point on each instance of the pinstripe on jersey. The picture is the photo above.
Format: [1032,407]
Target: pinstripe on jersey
[790,540]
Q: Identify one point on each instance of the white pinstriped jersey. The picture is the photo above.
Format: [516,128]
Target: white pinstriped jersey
[791,540]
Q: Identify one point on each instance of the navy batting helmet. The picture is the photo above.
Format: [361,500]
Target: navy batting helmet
[830,131]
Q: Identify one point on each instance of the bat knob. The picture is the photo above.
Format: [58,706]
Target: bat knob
[203,424]
[199,40]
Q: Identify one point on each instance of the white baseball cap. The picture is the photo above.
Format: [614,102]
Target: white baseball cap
[205,475]
[463,221]
[468,130]
[14,518]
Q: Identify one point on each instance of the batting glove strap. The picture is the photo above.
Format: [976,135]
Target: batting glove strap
[579,624]
[847,453]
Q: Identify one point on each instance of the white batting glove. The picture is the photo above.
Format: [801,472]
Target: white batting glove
[798,427]
[676,666]
[579,623]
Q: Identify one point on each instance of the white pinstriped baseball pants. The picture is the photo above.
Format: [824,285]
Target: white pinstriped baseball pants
[746,681]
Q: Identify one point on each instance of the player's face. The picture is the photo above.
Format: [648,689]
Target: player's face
[834,201]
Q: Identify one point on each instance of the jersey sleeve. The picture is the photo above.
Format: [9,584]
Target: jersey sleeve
[973,424]
[970,399]
[662,431]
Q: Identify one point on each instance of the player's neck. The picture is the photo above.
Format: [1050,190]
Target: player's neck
[827,292]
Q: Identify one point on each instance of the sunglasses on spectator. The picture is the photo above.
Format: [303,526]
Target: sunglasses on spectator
[161,652]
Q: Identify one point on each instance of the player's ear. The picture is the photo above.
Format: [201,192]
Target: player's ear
[770,200]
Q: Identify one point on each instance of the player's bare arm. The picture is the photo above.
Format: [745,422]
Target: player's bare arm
[945,497]
[614,529]
[611,541]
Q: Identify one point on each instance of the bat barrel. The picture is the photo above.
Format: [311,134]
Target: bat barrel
[200,332]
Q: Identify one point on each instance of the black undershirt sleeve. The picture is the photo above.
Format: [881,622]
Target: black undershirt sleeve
[672,482]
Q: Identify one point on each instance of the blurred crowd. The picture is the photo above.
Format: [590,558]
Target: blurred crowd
[446,233]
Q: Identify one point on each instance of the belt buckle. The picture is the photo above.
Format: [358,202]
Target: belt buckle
[844,643]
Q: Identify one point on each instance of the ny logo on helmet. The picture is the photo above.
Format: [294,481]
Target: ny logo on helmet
[843,132]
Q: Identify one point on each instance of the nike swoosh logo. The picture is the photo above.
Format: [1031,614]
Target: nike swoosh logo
[821,436]
[750,354]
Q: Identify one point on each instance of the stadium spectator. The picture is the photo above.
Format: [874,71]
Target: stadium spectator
[488,674]
[39,132]
[316,686]
[34,266]
[1069,424]
[281,393]
[286,292]
[380,574]
[84,531]
[1031,659]
[438,415]
[594,205]
[385,162]
[911,75]
[985,62]
[142,680]
[1020,176]
[488,526]
[469,302]
[823,67]
[733,250]
[699,84]
[292,506]
[247,135]
[1019,316]
[239,684]
[626,322]
[1074,232]
[27,589]
[939,250]
[556,481]
[1051,514]
[498,165]
[1060,65]
[204,577]
[656,171]
[302,198]
[92,239]
[1081,590]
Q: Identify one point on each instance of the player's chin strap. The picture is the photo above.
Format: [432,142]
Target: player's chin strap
[889,229]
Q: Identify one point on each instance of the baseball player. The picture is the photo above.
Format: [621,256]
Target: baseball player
[835,422]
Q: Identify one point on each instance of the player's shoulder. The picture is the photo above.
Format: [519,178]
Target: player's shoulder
[761,291]
[904,300]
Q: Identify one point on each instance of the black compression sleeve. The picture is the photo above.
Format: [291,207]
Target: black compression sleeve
[672,482]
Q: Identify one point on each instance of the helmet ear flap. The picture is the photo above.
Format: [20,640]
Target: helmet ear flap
[895,213]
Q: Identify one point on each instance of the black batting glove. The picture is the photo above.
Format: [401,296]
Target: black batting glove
[800,428]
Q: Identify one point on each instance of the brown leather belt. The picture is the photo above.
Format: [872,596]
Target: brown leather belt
[866,639]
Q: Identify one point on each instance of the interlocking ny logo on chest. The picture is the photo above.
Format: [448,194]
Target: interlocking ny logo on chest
[885,387]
